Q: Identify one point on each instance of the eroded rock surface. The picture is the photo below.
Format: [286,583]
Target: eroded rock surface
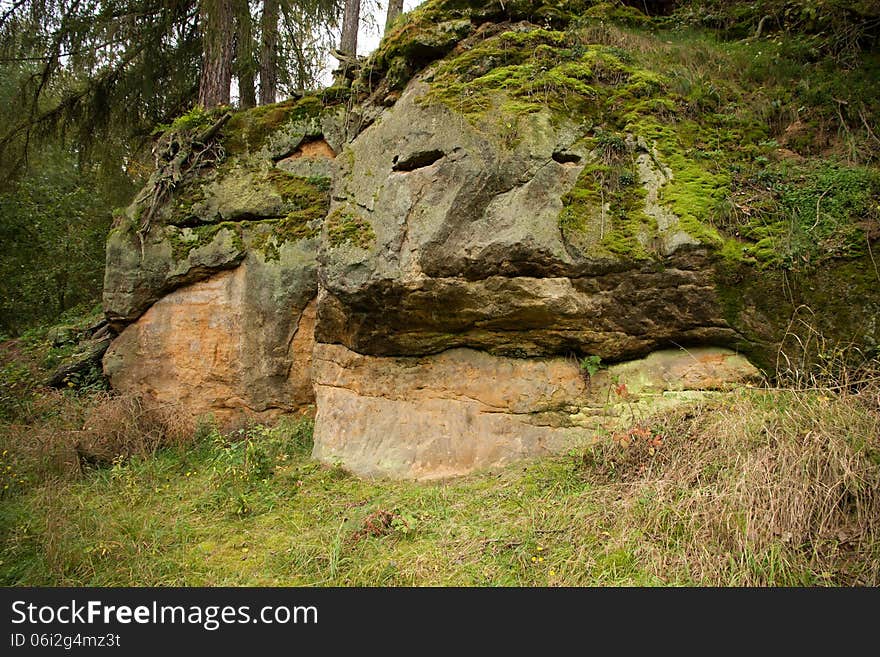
[448,414]
[468,250]
[495,201]
[223,345]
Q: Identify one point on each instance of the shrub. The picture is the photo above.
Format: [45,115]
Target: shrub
[130,425]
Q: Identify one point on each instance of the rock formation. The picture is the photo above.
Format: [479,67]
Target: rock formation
[442,262]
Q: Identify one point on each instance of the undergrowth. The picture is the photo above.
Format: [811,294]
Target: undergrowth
[763,487]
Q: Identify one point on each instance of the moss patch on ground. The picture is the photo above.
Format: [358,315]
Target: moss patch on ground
[795,215]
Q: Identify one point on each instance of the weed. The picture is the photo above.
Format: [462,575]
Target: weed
[590,366]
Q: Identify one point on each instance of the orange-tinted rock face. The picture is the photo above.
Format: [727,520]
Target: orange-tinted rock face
[313,150]
[451,413]
[197,347]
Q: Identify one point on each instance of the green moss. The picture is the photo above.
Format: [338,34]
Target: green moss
[644,83]
[694,192]
[344,226]
[192,121]
[335,94]
[298,225]
[607,205]
[813,212]
[417,38]
[249,130]
[182,206]
[835,305]
[618,13]
[185,240]
[535,68]
[303,192]
[309,199]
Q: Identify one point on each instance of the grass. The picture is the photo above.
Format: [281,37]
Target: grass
[762,487]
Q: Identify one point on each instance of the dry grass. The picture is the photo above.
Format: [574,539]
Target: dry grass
[760,489]
[131,425]
[69,433]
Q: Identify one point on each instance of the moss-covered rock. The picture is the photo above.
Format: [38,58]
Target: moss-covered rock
[278,128]
[349,227]
[533,179]
[508,190]
[214,205]
[650,157]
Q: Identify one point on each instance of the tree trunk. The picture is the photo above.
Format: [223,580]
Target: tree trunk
[245,64]
[269,52]
[350,19]
[395,9]
[217,19]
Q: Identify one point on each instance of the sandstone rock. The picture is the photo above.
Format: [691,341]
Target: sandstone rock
[461,410]
[469,251]
[310,159]
[242,193]
[475,241]
[138,273]
[236,343]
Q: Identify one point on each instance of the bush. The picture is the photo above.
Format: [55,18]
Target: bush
[122,426]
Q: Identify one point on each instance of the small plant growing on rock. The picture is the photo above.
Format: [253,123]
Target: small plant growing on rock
[590,365]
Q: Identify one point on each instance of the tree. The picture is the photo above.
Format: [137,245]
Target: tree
[104,73]
[350,20]
[100,73]
[269,52]
[53,226]
[395,9]
[83,85]
[217,23]
[245,63]
[307,32]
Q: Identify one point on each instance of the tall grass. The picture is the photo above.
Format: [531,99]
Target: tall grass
[768,487]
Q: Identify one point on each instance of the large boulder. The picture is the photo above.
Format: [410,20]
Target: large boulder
[211,284]
[454,240]
[505,203]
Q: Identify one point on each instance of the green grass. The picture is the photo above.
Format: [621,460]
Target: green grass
[184,518]
[694,498]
